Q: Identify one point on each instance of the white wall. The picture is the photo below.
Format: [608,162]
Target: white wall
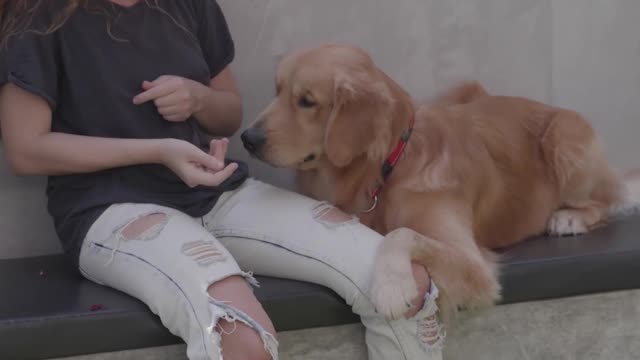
[596,69]
[424,45]
[583,54]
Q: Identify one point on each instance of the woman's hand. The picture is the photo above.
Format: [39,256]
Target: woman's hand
[176,98]
[196,167]
[216,107]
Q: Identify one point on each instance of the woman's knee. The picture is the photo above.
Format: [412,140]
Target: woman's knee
[423,284]
[246,332]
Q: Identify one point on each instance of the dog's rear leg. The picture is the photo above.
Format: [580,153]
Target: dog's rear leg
[587,185]
[465,277]
[576,220]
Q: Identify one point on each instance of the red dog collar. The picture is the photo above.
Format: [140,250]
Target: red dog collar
[390,163]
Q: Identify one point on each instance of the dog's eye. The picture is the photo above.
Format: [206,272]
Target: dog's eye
[305,102]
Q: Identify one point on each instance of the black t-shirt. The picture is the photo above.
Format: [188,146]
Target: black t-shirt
[90,69]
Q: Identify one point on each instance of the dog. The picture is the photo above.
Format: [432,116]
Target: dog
[448,181]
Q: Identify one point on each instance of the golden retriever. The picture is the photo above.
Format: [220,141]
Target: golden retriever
[478,172]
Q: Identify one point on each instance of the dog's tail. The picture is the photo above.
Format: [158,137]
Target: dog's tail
[630,203]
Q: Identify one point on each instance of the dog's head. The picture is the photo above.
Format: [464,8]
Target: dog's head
[332,105]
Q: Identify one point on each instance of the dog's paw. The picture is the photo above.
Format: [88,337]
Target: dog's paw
[394,289]
[566,222]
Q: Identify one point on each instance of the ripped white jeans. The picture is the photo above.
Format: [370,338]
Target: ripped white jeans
[258,229]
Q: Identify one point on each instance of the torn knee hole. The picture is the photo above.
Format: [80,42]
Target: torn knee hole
[145,227]
[203,252]
[430,331]
[331,215]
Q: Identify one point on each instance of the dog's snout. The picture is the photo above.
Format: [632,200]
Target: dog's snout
[253,139]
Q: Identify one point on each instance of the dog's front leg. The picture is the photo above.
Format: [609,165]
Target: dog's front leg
[394,288]
[464,276]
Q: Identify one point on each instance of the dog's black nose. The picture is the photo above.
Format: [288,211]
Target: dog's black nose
[253,139]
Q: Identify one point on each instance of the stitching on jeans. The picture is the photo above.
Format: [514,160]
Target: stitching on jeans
[247,234]
[204,342]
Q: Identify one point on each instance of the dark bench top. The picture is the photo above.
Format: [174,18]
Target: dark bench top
[47,310]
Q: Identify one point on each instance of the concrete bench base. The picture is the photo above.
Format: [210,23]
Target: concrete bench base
[592,327]
[344,342]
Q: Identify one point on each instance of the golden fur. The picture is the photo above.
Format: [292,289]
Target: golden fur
[480,172]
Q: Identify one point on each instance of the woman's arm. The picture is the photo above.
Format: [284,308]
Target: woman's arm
[32,149]
[221,111]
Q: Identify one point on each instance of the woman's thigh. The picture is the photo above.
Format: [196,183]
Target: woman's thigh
[183,273]
[280,233]
[319,235]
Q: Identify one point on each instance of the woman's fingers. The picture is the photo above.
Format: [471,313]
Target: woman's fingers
[218,148]
[158,91]
[209,178]
[167,102]
[224,147]
[222,175]
[214,148]
[209,162]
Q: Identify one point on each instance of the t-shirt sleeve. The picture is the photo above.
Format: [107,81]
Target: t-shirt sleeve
[214,36]
[30,61]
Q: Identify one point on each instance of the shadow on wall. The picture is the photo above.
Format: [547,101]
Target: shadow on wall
[27,229]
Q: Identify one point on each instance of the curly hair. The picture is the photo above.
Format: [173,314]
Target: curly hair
[16,16]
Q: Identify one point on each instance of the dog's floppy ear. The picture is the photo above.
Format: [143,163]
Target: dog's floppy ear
[359,118]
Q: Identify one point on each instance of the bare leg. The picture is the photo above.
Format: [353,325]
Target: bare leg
[239,341]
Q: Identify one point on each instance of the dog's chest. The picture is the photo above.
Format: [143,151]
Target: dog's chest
[318,185]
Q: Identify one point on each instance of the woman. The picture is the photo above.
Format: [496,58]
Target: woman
[114,100]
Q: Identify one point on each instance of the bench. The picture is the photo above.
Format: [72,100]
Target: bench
[47,310]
